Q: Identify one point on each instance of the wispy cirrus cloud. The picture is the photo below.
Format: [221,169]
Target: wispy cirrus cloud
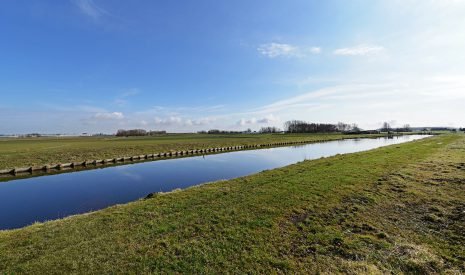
[108,116]
[177,110]
[273,50]
[89,8]
[404,98]
[122,99]
[104,119]
[363,49]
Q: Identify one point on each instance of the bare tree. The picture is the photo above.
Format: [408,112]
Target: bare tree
[355,128]
[386,127]
[269,130]
[343,127]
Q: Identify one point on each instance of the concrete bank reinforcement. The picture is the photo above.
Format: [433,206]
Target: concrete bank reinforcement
[171,154]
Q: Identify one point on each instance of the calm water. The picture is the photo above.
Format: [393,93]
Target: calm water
[25,201]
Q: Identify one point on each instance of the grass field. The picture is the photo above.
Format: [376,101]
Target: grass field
[27,152]
[395,209]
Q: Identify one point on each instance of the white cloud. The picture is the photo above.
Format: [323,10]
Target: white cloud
[102,121]
[89,8]
[243,121]
[168,121]
[203,121]
[273,50]
[363,49]
[252,121]
[108,116]
[315,50]
[268,119]
[180,121]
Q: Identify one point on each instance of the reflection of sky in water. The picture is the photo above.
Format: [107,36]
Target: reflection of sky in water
[49,197]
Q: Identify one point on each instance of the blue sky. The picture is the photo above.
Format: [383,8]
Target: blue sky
[99,65]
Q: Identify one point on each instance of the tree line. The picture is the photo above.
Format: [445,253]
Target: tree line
[387,128]
[137,132]
[299,126]
[291,126]
[217,131]
[270,130]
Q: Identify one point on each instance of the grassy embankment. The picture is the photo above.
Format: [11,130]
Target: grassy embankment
[400,208]
[27,152]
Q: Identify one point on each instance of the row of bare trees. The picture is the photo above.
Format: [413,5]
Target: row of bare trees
[387,128]
[270,130]
[137,132]
[292,126]
[299,126]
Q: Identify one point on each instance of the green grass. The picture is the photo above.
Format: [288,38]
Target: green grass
[394,209]
[26,152]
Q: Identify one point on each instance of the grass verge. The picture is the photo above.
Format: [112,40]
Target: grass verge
[395,209]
